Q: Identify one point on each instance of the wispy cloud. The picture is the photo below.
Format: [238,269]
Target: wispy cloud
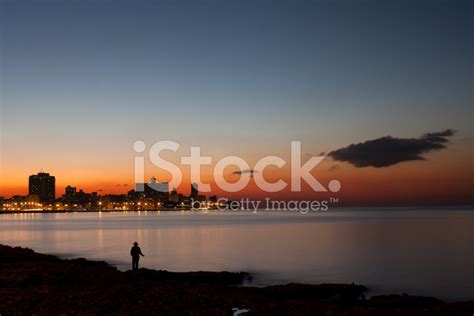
[334,168]
[246,171]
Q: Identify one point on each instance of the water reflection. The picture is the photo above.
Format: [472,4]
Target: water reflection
[422,252]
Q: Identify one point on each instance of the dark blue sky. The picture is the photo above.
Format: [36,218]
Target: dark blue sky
[237,73]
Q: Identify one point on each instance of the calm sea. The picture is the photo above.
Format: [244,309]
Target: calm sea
[417,251]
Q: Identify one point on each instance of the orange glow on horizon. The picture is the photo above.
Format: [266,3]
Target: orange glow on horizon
[446,179]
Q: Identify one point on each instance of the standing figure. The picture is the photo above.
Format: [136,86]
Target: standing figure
[135,252]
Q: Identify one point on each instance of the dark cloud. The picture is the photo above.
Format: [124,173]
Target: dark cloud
[246,171]
[387,151]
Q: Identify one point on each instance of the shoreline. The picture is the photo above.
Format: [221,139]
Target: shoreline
[461,207]
[32,282]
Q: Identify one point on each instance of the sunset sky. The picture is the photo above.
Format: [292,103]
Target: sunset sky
[82,81]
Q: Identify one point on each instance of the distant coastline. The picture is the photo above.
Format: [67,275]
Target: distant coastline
[464,207]
[90,211]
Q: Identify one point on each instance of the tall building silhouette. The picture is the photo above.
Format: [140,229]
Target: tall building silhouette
[194,191]
[70,191]
[42,185]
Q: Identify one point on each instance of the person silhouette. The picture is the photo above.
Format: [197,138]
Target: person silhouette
[135,252]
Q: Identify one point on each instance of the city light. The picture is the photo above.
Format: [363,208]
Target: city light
[41,197]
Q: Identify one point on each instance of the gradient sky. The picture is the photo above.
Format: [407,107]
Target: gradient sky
[81,81]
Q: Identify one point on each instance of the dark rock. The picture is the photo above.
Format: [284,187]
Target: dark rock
[32,283]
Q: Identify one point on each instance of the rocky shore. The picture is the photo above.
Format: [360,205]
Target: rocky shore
[33,283]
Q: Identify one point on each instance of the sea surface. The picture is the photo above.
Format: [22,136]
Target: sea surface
[426,251]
